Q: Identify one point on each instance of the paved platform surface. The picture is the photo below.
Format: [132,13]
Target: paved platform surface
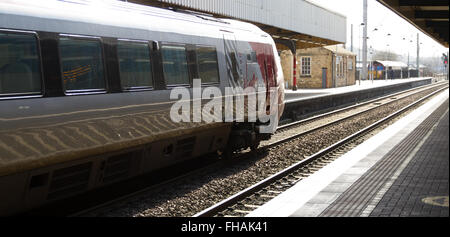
[422,188]
[389,189]
[311,93]
[401,171]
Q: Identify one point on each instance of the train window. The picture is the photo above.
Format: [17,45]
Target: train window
[175,65]
[82,64]
[207,64]
[251,57]
[19,64]
[254,58]
[134,64]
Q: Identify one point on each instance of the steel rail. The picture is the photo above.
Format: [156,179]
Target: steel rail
[346,118]
[218,164]
[211,211]
[310,119]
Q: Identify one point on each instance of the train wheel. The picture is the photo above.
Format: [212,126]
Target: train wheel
[255,144]
[226,153]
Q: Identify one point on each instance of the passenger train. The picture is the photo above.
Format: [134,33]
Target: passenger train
[85,92]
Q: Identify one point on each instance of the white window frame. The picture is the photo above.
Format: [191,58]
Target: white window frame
[305,70]
[350,64]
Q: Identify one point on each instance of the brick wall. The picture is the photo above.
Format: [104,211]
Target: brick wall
[320,58]
[323,58]
[287,66]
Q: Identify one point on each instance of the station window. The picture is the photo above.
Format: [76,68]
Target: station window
[305,66]
[207,64]
[175,65]
[350,64]
[19,64]
[134,64]
[81,64]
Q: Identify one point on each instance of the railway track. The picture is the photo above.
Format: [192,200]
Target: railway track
[263,189]
[253,197]
[286,132]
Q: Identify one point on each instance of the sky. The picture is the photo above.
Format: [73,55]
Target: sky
[387,22]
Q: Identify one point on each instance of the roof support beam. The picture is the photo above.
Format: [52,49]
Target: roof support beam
[422,3]
[431,15]
[288,43]
[437,24]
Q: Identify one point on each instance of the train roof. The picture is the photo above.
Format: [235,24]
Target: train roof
[66,16]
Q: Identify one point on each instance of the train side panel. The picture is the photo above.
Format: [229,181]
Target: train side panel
[56,143]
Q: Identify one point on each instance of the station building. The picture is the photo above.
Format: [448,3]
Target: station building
[322,67]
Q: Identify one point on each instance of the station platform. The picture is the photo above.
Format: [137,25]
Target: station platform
[301,93]
[401,171]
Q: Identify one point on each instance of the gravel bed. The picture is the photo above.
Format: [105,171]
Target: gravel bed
[188,197]
[297,129]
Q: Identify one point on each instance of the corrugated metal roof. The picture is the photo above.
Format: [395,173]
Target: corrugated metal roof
[294,15]
[393,64]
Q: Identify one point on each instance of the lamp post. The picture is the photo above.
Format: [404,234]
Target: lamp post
[417,59]
[364,62]
[385,66]
[410,42]
[387,55]
[401,69]
[407,49]
[359,51]
[371,55]
[371,63]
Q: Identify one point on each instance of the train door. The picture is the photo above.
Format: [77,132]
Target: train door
[234,71]
[269,72]
[268,65]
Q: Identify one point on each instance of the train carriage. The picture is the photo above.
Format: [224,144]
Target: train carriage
[85,92]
